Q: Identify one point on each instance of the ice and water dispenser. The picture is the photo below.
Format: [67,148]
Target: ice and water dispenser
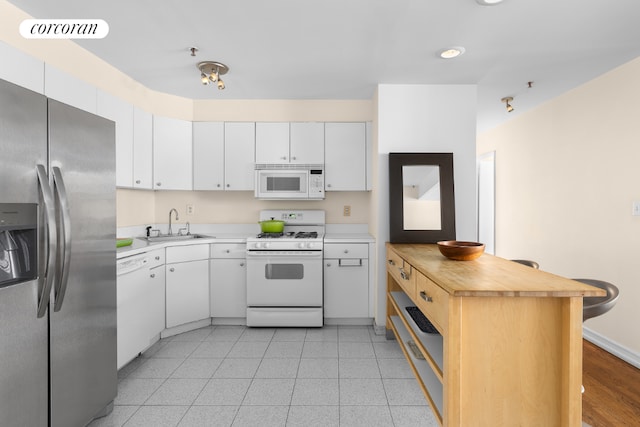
[18,243]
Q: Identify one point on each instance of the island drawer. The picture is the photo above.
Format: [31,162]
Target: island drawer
[402,272]
[432,300]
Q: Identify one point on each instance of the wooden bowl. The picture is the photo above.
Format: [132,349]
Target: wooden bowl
[460,251]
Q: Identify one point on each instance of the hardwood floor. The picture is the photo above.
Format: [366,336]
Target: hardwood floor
[612,389]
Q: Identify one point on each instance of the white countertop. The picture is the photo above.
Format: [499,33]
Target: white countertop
[141,245]
[348,238]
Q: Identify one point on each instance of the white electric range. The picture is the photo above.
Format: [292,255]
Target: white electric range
[284,271]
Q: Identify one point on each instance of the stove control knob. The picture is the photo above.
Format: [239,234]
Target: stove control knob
[301,245]
[259,245]
[310,245]
[266,245]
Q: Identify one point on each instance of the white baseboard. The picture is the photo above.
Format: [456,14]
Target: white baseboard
[612,347]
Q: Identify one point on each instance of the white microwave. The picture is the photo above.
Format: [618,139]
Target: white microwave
[282,182]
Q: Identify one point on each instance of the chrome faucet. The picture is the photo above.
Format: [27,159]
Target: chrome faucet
[172,210]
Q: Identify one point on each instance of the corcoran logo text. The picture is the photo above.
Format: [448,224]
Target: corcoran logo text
[64,29]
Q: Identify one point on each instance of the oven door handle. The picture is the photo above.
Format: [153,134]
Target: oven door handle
[283,254]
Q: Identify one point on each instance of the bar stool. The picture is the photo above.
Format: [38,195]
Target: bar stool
[527,262]
[596,306]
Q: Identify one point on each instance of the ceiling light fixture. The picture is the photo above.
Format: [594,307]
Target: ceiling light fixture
[488,2]
[211,71]
[451,52]
[193,50]
[507,100]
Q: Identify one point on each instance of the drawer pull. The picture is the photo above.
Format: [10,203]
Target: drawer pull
[404,274]
[425,297]
[153,275]
[391,262]
[415,350]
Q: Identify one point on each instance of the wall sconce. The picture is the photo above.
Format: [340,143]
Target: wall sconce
[507,100]
[210,72]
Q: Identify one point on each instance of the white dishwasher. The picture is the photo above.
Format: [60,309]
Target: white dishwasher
[141,299]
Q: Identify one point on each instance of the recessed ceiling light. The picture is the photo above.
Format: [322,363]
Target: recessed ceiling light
[451,52]
[488,2]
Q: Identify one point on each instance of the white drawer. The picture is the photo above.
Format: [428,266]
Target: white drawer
[156,258]
[187,253]
[346,250]
[228,250]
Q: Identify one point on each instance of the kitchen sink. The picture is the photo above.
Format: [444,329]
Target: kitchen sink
[175,237]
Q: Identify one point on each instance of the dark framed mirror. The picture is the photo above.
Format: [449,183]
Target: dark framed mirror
[421,198]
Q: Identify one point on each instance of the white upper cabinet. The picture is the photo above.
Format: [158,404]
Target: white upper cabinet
[68,89]
[172,154]
[142,149]
[307,143]
[121,113]
[21,69]
[272,143]
[295,143]
[239,155]
[208,156]
[345,157]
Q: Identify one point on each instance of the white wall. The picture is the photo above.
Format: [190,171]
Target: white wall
[566,176]
[429,119]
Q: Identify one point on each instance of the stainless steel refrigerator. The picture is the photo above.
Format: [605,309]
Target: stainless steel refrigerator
[57,262]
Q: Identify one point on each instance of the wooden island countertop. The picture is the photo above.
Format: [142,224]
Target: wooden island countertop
[488,275]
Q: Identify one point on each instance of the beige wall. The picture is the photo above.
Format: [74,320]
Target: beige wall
[566,175]
[137,207]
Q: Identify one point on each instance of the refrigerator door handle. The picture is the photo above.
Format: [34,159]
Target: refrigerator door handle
[50,254]
[65,247]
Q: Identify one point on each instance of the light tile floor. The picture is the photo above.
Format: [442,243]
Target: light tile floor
[236,376]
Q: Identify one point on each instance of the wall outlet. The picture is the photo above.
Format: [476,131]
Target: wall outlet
[346,211]
[190,209]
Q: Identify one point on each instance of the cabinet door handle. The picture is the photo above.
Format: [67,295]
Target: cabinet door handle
[284,157]
[158,184]
[158,258]
[228,185]
[227,251]
[218,185]
[293,158]
[425,297]
[328,264]
[137,181]
[404,274]
[172,269]
[391,262]
[346,251]
[242,264]
[152,275]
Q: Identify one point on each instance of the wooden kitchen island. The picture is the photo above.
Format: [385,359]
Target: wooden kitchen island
[509,351]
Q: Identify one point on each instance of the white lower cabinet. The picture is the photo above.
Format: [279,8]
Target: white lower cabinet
[187,283]
[346,280]
[228,280]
